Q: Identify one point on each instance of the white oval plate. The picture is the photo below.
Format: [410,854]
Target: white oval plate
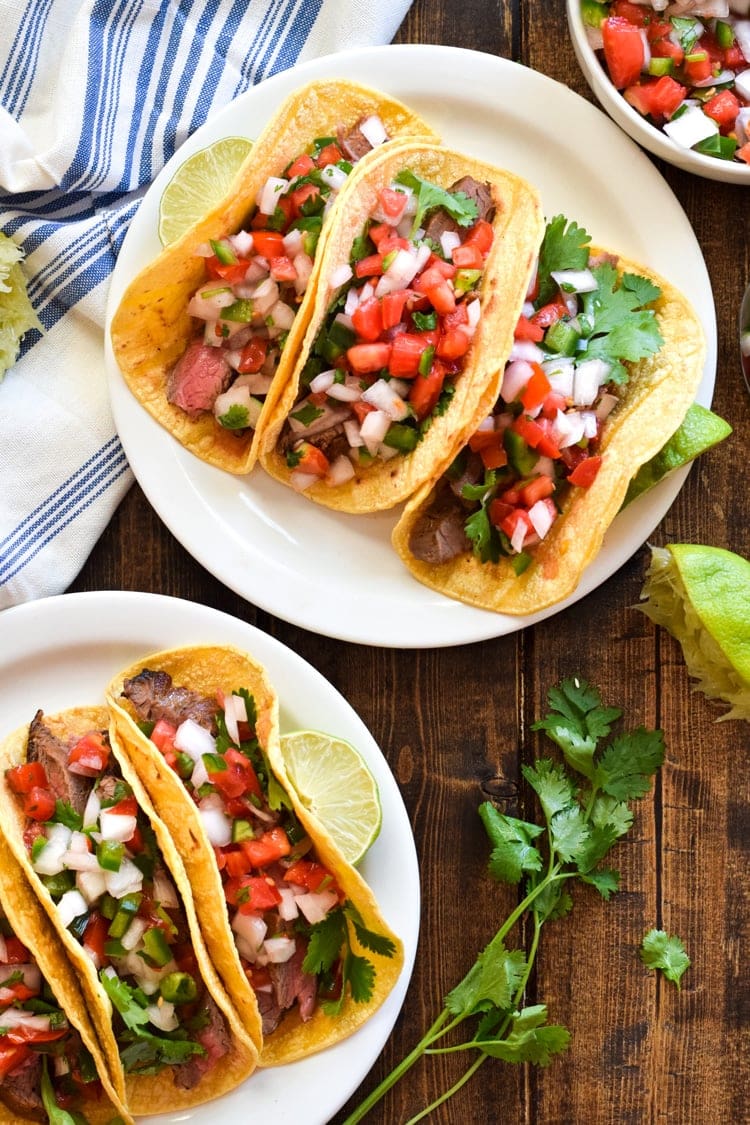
[62,652]
[334,573]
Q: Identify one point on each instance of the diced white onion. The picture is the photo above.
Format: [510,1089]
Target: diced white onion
[560,373]
[116,826]
[279,949]
[567,429]
[403,268]
[473,312]
[17,1017]
[742,84]
[249,932]
[382,396]
[515,377]
[281,316]
[340,472]
[300,480]
[242,243]
[742,33]
[353,436]
[270,193]
[340,276]
[163,1015]
[374,130]
[81,861]
[714,80]
[207,304]
[72,905]
[316,904]
[134,933]
[193,739]
[217,824]
[541,517]
[528,350]
[164,890]
[590,424]
[127,880]
[449,240]
[235,712]
[373,428]
[322,381]
[334,176]
[264,297]
[49,861]
[519,534]
[589,376]
[92,809]
[575,281]
[287,908]
[91,884]
[691,127]
[28,973]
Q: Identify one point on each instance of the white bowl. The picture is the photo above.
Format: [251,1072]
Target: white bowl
[653,139]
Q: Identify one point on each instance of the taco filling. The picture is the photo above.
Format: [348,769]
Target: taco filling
[94,850]
[397,333]
[289,917]
[256,280]
[582,323]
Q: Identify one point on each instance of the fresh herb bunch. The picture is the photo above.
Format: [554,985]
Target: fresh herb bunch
[584,801]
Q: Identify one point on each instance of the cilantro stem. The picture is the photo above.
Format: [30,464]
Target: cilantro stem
[469,1073]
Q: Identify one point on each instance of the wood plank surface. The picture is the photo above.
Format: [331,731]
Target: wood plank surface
[455,726]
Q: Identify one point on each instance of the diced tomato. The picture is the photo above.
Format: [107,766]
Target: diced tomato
[268,243]
[656,97]
[12,1056]
[456,318]
[550,313]
[16,993]
[371,266]
[260,221]
[623,51]
[312,460]
[509,524]
[734,58]
[392,203]
[258,975]
[367,319]
[744,152]
[163,734]
[445,269]
[633,13]
[22,1034]
[235,862]
[90,755]
[392,308]
[697,69]
[282,268]
[27,776]
[498,511]
[39,803]
[664,48]
[481,235]
[235,759]
[467,256]
[723,108]
[442,297]
[535,434]
[252,893]
[300,167]
[425,390]
[301,195]
[364,358]
[361,408]
[406,352]
[657,30]
[537,489]
[536,389]
[94,937]
[379,231]
[128,806]
[311,875]
[585,472]
[552,403]
[253,355]
[136,843]
[526,330]
[453,344]
[269,847]
[317,398]
[489,445]
[331,154]
[16,952]
[231,272]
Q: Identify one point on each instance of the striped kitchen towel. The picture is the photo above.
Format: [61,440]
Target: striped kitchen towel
[95,96]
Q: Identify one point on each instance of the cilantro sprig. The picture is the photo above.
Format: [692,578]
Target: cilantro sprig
[429,197]
[660,950]
[330,949]
[584,804]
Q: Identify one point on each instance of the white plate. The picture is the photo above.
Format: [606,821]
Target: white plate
[337,574]
[638,127]
[61,652]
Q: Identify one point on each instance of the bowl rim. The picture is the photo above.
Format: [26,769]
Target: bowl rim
[646,134]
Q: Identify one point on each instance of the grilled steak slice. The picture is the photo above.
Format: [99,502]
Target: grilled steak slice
[214,1038]
[270,1012]
[292,984]
[354,144]
[44,747]
[198,378]
[20,1089]
[154,698]
[441,221]
[332,442]
[438,535]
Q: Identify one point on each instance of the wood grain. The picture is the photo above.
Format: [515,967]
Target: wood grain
[455,726]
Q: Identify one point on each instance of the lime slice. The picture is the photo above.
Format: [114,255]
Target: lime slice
[198,184]
[334,783]
[700,430]
[702,596]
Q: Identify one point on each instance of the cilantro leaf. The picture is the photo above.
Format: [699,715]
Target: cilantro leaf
[552,902]
[626,766]
[429,197]
[369,939]
[577,722]
[479,530]
[600,840]
[565,246]
[512,853]
[552,785]
[605,880]
[570,832]
[55,1115]
[622,328]
[125,1000]
[237,417]
[606,812]
[360,975]
[492,980]
[531,1038]
[660,950]
[326,941]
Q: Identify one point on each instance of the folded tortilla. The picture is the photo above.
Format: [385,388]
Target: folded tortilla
[152,327]
[654,401]
[518,228]
[211,672]
[142,1094]
[31,925]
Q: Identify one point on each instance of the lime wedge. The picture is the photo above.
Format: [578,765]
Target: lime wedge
[332,780]
[700,430]
[198,184]
[702,596]
[16,313]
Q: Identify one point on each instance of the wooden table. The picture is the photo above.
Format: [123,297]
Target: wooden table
[458,729]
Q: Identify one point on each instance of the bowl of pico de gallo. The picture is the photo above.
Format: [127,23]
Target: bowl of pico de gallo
[675,75]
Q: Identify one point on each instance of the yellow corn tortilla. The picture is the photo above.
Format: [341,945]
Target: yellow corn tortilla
[142,1094]
[209,670]
[32,926]
[518,228]
[656,398]
[152,327]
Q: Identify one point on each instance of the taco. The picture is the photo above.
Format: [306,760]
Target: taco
[420,286]
[607,359]
[293,930]
[207,334]
[103,867]
[50,1058]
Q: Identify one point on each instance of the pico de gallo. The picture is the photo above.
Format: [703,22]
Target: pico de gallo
[397,334]
[44,1066]
[685,66]
[94,850]
[288,915]
[581,324]
[256,280]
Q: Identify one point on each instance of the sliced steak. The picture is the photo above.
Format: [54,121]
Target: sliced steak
[47,749]
[20,1089]
[154,697]
[198,378]
[354,144]
[332,442]
[292,984]
[214,1038]
[270,1012]
[440,221]
[438,535]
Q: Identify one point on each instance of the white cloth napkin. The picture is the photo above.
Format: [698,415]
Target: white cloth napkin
[95,96]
